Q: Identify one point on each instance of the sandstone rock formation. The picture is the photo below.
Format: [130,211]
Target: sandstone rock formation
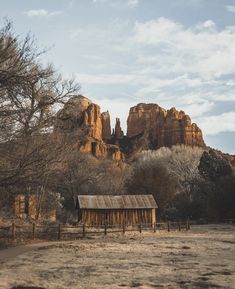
[118,133]
[80,112]
[150,127]
[82,118]
[106,127]
[101,149]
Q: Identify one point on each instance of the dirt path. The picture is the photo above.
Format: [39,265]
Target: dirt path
[12,252]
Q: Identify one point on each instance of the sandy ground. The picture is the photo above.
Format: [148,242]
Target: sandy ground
[201,258]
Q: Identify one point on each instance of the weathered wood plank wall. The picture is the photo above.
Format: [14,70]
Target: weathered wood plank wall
[115,217]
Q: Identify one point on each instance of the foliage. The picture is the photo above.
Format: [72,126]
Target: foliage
[226,197]
[212,166]
[219,181]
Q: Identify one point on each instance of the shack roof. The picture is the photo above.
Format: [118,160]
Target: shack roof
[116,202]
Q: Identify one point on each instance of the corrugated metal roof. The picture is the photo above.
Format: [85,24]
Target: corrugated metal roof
[116,202]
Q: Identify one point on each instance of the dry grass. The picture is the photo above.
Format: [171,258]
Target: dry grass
[201,258]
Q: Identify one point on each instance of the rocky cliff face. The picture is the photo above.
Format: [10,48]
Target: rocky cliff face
[106,127]
[101,149]
[148,127]
[118,133]
[80,113]
[82,118]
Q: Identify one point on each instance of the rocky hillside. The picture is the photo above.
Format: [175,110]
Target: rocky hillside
[148,127]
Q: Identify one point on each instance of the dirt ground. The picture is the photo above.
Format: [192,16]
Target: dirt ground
[201,258]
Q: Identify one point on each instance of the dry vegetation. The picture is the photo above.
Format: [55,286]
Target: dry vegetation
[186,182]
[34,158]
[201,258]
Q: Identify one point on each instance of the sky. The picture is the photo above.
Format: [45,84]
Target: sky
[176,53]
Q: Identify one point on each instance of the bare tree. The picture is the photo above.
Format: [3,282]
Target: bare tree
[151,176]
[80,173]
[30,94]
[182,161]
[111,178]
[166,173]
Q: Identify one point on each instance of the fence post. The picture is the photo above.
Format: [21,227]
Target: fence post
[188,225]
[123,228]
[140,228]
[154,227]
[34,229]
[179,226]
[168,226]
[105,228]
[84,230]
[59,232]
[13,231]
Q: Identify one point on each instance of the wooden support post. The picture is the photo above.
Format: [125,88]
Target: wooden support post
[59,232]
[154,227]
[34,230]
[168,226]
[13,231]
[140,228]
[123,228]
[187,225]
[105,228]
[179,226]
[84,230]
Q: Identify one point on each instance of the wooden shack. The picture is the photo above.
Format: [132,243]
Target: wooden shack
[26,206]
[116,210]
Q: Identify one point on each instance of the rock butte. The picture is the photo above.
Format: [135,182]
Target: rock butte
[148,127]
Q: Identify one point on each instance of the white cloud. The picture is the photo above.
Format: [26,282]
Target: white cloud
[197,107]
[201,49]
[99,1]
[70,4]
[191,68]
[215,124]
[208,24]
[74,33]
[230,8]
[155,31]
[42,13]
[155,84]
[230,83]
[107,78]
[132,3]
[213,94]
[119,3]
[190,3]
